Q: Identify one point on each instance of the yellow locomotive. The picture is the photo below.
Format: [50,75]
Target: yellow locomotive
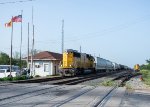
[75,62]
[137,67]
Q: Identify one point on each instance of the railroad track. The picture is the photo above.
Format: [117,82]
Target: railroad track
[58,80]
[43,91]
[57,95]
[121,80]
[78,80]
[74,80]
[97,103]
[66,80]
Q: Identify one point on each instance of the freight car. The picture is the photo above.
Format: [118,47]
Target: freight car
[116,66]
[74,63]
[103,65]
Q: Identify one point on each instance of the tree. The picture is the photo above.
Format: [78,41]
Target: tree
[4,59]
[146,66]
[16,55]
[16,60]
[148,61]
[35,51]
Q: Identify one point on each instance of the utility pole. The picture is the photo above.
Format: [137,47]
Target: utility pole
[80,58]
[32,46]
[62,36]
[32,15]
[32,53]
[80,49]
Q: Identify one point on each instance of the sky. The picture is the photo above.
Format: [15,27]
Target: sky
[117,30]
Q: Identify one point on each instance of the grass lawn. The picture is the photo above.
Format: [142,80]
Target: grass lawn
[146,76]
[13,78]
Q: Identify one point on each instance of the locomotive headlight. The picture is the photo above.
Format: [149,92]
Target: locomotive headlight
[70,65]
[61,65]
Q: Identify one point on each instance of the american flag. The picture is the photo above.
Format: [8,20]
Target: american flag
[17,18]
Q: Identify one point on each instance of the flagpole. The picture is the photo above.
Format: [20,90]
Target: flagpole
[11,48]
[28,49]
[21,44]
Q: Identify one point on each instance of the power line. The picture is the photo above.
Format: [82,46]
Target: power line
[13,2]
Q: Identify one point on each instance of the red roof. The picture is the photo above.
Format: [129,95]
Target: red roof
[46,55]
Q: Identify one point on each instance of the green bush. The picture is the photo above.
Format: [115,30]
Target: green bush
[23,77]
[1,79]
[147,81]
[146,76]
[145,67]
[108,83]
[37,76]
[145,73]
[6,79]
[128,86]
[13,78]
[48,75]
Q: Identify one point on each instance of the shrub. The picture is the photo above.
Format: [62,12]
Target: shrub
[128,86]
[146,76]
[1,79]
[23,77]
[6,79]
[13,78]
[37,76]
[108,83]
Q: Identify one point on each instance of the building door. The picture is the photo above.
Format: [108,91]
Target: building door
[55,69]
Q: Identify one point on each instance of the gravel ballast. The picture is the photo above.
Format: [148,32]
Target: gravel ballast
[136,83]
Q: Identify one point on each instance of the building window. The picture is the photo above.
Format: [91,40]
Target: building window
[41,64]
[46,68]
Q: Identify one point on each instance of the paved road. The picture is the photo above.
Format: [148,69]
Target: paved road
[38,95]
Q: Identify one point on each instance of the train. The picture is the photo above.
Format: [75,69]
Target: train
[137,67]
[74,63]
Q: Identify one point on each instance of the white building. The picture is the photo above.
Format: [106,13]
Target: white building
[45,63]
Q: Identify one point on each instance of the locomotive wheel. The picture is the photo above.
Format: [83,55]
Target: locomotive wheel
[61,74]
[73,73]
